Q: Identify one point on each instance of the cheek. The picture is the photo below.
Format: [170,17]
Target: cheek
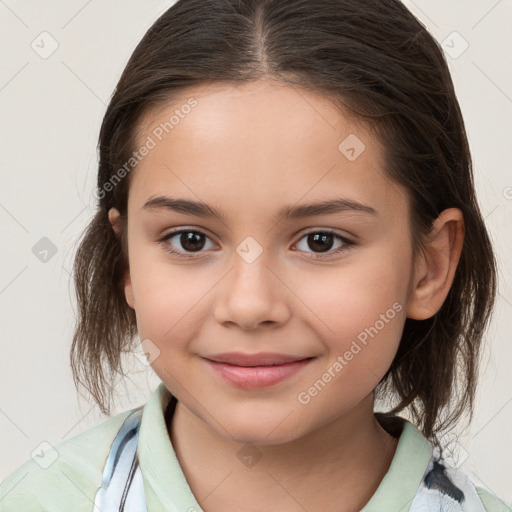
[168,297]
[352,296]
[359,310]
[170,306]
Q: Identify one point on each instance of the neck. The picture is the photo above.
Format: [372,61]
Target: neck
[336,467]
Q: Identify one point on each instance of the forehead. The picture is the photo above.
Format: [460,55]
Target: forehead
[260,142]
[255,108]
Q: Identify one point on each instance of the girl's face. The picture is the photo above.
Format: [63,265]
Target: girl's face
[270,273]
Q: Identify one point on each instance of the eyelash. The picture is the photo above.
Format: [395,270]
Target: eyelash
[347,244]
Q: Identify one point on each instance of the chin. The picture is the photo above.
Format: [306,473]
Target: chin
[256,430]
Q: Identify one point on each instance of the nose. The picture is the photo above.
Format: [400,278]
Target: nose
[252,294]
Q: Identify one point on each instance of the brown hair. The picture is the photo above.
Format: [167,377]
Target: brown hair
[377,62]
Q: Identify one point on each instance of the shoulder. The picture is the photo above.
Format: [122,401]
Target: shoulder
[491,502]
[62,477]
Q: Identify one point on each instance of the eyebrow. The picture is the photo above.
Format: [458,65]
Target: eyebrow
[200,209]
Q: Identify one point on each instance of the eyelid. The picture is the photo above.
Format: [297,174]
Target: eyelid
[330,231]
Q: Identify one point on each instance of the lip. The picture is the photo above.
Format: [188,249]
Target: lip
[259,359]
[252,371]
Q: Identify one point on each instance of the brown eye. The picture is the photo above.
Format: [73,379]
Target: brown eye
[191,241]
[186,241]
[323,241]
[320,241]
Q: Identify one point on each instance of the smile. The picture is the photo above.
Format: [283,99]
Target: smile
[251,376]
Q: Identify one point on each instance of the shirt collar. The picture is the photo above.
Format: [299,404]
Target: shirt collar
[165,483]
[400,484]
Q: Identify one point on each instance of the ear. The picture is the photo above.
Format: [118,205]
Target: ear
[436,267]
[113,217]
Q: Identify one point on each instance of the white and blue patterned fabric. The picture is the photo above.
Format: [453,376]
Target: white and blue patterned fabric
[445,490]
[122,487]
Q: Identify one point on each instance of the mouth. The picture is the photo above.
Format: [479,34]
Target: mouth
[252,371]
[260,359]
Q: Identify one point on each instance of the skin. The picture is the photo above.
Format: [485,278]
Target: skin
[249,151]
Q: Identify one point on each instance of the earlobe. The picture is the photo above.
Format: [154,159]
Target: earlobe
[436,269]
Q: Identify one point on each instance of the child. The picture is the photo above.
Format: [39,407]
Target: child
[261,130]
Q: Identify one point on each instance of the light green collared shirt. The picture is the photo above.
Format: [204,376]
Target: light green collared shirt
[67,477]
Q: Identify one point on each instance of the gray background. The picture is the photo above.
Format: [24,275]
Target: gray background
[51,110]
